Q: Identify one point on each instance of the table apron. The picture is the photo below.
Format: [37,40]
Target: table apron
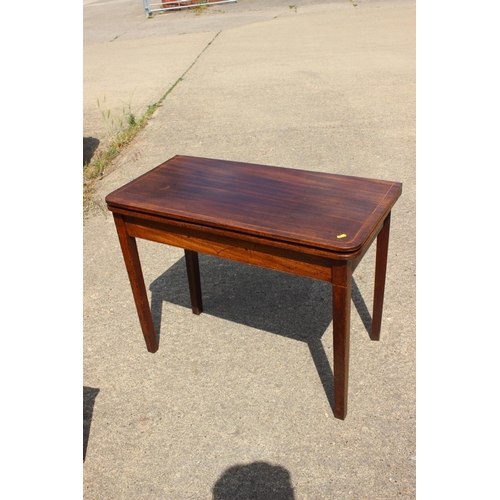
[262,255]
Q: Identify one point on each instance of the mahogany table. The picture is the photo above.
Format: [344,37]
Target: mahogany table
[311,224]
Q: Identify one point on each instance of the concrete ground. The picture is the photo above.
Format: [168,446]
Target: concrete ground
[236,403]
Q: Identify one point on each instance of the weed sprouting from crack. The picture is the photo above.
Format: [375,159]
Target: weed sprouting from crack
[202,7]
[120,136]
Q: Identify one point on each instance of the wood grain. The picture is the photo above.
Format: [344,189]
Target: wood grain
[298,206]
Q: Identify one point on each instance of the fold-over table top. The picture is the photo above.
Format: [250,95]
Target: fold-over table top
[316,209]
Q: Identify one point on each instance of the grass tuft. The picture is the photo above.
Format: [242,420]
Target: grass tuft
[120,137]
[100,163]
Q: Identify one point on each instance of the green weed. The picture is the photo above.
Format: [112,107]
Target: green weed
[201,8]
[120,136]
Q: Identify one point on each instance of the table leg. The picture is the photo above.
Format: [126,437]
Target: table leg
[193,272]
[341,295]
[380,272]
[133,265]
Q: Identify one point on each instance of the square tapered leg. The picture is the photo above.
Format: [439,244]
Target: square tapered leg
[133,265]
[341,298]
[193,272]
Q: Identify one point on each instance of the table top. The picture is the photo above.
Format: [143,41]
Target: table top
[328,211]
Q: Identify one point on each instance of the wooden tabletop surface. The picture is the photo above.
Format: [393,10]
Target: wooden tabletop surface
[327,211]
